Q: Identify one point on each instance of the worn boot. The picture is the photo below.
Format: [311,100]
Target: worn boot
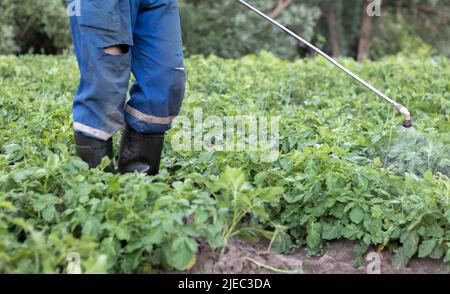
[140,152]
[92,151]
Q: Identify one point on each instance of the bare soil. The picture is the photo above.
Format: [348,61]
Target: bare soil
[337,260]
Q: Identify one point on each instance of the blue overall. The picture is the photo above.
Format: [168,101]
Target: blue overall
[149,31]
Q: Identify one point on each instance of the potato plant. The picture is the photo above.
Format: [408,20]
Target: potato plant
[346,168]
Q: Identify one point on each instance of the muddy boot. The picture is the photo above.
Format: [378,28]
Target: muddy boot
[140,152]
[92,151]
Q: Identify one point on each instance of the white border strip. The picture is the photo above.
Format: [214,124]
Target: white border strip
[149,118]
[95,132]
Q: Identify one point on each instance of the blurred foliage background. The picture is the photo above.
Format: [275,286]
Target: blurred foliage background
[225,28]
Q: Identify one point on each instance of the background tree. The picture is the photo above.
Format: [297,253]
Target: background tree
[330,15]
[228,29]
[405,25]
[33,26]
[225,28]
[365,33]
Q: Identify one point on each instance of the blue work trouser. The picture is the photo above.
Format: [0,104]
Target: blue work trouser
[150,35]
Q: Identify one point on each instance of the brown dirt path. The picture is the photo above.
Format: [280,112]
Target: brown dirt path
[337,260]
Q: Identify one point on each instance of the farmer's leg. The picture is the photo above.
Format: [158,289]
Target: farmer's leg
[102,38]
[157,95]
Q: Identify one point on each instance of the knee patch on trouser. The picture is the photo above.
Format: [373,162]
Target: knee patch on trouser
[148,35]
[98,105]
[156,115]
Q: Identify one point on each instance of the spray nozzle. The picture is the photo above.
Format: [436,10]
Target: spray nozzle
[407,123]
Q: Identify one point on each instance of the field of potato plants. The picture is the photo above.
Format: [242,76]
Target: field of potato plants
[347,170]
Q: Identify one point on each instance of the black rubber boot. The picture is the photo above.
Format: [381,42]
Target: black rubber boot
[140,152]
[92,151]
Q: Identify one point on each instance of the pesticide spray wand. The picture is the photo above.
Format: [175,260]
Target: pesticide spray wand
[407,123]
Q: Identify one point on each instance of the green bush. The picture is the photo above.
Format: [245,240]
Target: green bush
[228,29]
[33,27]
[395,35]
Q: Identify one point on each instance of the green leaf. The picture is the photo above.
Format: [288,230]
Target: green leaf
[357,215]
[427,247]
[155,236]
[362,181]
[331,232]
[428,175]
[92,227]
[44,201]
[437,253]
[260,178]
[411,244]
[271,193]
[181,252]
[261,213]
[282,243]
[435,231]
[447,215]
[233,178]
[97,266]
[313,239]
[49,213]
[201,217]
[351,232]
[447,256]
[286,164]
[84,199]
[7,205]
[52,161]
[123,233]
[400,258]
